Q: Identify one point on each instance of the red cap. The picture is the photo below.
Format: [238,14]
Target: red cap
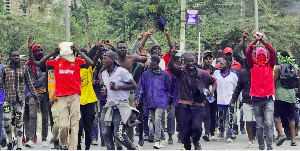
[36,47]
[228,50]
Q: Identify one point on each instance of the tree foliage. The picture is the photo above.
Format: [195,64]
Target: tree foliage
[122,19]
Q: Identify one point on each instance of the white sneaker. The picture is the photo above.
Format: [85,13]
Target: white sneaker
[229,140]
[29,144]
[162,143]
[95,142]
[103,148]
[250,145]
[213,138]
[156,145]
[45,144]
[182,147]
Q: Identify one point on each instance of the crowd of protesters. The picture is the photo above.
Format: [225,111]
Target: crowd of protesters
[107,91]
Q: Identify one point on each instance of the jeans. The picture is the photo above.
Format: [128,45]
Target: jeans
[171,121]
[157,119]
[115,131]
[264,115]
[226,118]
[191,121]
[146,121]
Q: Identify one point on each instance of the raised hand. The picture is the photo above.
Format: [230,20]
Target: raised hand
[150,32]
[166,31]
[173,52]
[31,41]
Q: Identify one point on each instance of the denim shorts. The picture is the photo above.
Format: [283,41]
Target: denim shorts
[284,108]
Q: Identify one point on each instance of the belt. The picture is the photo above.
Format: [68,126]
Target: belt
[190,103]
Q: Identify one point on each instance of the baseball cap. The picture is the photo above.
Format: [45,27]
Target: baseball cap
[113,56]
[161,22]
[228,50]
[66,52]
[261,51]
[36,47]
[207,53]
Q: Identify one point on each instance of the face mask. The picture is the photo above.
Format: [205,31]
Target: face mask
[261,60]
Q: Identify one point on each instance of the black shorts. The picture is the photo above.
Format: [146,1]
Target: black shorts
[284,108]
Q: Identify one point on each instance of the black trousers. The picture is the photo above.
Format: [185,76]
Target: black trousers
[86,124]
[141,119]
[210,118]
[191,123]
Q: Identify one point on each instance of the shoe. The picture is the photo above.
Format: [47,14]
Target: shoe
[35,139]
[9,146]
[243,131]
[270,148]
[156,145]
[150,139]
[19,149]
[217,132]
[56,144]
[250,145]
[162,143]
[146,138]
[30,143]
[293,144]
[235,131]
[213,138]
[182,147]
[280,140]
[221,135]
[170,141]
[119,148]
[45,144]
[254,137]
[228,140]
[141,142]
[78,147]
[95,142]
[197,146]
[103,148]
[137,147]
[3,143]
[233,136]
[206,137]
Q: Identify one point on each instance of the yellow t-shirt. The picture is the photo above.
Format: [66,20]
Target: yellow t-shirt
[87,92]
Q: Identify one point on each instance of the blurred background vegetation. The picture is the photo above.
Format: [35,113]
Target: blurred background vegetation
[122,19]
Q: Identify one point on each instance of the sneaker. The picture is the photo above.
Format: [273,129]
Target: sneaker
[254,137]
[162,143]
[30,143]
[233,136]
[236,131]
[156,145]
[250,145]
[213,138]
[221,135]
[95,142]
[280,140]
[19,148]
[170,141]
[243,131]
[197,146]
[119,147]
[151,139]
[217,132]
[45,144]
[182,147]
[137,147]
[228,140]
[10,146]
[56,144]
[103,148]
[3,143]
[35,139]
[206,137]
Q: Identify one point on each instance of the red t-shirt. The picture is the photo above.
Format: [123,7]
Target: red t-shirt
[166,58]
[67,76]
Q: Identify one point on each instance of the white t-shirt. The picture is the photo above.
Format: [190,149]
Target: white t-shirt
[121,77]
[226,86]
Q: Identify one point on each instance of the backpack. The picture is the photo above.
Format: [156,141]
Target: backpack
[288,76]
